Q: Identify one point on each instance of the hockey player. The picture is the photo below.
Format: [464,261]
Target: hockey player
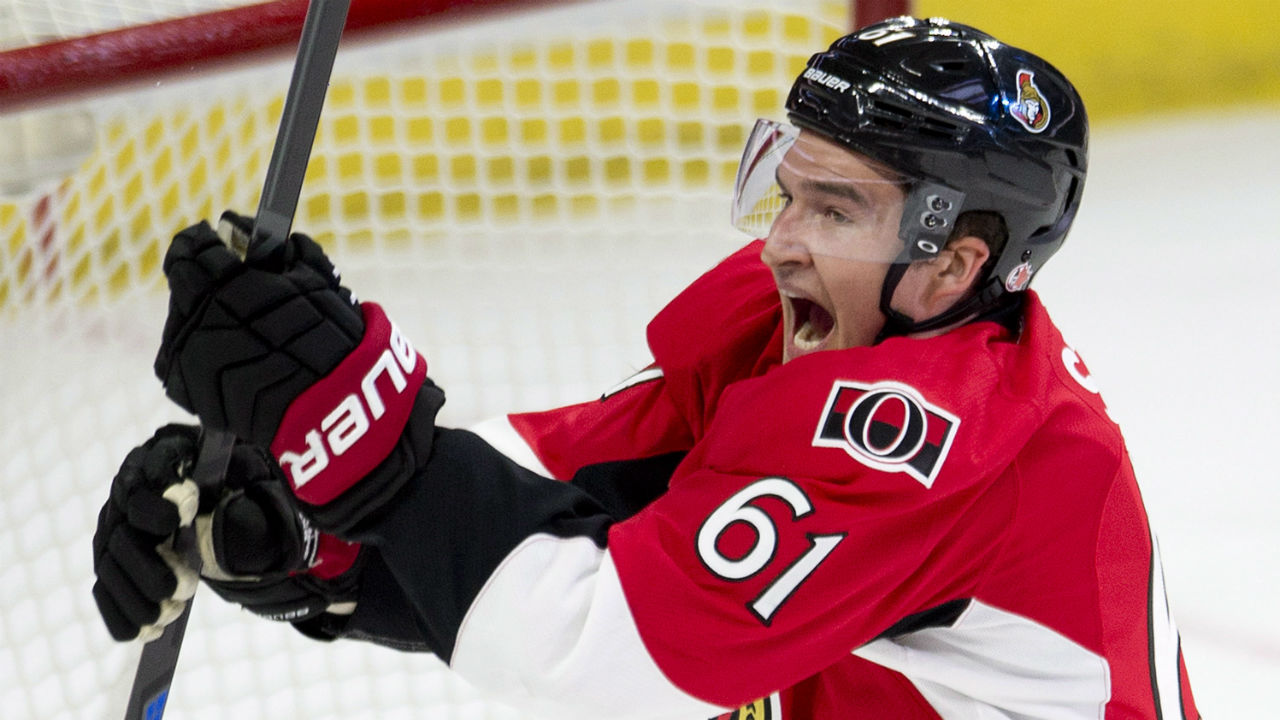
[864,477]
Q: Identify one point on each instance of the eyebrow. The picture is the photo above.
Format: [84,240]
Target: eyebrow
[848,191]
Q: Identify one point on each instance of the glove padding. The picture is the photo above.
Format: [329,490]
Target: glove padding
[277,351]
[241,341]
[257,550]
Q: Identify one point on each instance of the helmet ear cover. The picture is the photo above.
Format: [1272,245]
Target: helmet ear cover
[928,218]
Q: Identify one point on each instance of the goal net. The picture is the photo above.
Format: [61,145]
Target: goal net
[522,189]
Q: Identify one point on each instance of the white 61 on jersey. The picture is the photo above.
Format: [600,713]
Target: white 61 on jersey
[762,553]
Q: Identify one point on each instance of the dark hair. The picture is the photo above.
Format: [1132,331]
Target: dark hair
[988,226]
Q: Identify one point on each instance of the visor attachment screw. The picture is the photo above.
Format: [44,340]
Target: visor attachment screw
[932,221]
[937,204]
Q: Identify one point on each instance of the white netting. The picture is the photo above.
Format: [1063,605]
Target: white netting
[521,194]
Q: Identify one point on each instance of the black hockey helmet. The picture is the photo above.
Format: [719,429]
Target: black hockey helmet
[979,124]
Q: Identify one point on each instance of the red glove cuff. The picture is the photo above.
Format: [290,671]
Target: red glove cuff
[333,557]
[343,426]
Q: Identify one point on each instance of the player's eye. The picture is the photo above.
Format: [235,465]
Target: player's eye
[836,216]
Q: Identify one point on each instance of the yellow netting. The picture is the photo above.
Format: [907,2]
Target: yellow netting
[542,129]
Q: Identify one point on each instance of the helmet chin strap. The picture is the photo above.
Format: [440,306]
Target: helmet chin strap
[896,324]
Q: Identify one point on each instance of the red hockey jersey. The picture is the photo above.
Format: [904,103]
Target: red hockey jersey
[930,527]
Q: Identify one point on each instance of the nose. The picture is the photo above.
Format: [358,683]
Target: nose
[784,245]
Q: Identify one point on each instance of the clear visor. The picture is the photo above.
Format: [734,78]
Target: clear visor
[806,193]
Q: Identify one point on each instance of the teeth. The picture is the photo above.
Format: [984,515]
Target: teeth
[807,338]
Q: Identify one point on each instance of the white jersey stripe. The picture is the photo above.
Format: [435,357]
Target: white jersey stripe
[643,376]
[992,663]
[1166,676]
[551,633]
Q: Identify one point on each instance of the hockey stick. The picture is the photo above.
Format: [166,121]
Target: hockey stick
[317,47]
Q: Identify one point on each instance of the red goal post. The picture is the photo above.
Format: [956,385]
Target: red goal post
[134,53]
[521,184]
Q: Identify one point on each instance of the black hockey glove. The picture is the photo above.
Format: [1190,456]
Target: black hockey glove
[277,351]
[256,548]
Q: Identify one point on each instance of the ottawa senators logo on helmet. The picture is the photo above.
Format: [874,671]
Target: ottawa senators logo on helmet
[887,426]
[1031,109]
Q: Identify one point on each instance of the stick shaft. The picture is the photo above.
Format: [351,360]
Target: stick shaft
[321,32]
[159,657]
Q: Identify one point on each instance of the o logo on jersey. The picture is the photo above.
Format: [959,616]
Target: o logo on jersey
[887,426]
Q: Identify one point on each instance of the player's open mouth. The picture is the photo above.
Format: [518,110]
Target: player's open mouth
[813,323]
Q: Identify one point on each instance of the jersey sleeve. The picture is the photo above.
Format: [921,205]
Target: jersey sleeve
[636,420]
[506,575]
[826,505]
[621,449]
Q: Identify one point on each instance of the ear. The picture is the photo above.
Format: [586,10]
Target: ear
[929,287]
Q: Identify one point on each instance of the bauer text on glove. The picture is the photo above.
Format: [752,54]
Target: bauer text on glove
[282,355]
